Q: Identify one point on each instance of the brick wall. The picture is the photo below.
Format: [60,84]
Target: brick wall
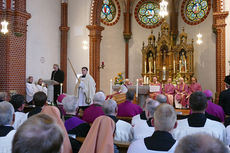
[13,50]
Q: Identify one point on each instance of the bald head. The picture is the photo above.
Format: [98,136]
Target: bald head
[200,143]
[161,98]
[150,108]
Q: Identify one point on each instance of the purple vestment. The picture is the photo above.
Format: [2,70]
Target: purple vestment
[194,87]
[128,109]
[169,88]
[92,112]
[215,110]
[182,92]
[72,123]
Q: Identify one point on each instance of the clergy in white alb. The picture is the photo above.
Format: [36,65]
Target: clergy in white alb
[85,88]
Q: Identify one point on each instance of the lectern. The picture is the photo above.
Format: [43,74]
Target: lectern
[50,92]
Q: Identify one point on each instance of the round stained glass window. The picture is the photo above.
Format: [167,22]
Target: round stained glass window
[108,11]
[195,11]
[147,14]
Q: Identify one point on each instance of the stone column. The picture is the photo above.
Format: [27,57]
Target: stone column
[64,34]
[94,52]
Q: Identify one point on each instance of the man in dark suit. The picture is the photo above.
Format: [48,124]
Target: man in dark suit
[224,99]
[57,75]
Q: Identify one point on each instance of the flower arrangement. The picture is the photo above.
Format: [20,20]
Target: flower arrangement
[119,79]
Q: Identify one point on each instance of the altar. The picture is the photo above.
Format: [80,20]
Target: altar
[164,58]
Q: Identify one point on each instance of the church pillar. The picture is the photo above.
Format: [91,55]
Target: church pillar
[219,25]
[94,52]
[127,35]
[64,34]
[13,47]
[174,5]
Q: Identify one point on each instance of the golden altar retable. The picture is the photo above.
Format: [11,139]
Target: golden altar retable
[164,58]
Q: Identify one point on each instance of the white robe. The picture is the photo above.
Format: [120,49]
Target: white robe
[85,90]
[6,142]
[142,130]
[30,91]
[138,146]
[136,119]
[41,88]
[213,128]
[20,118]
[123,132]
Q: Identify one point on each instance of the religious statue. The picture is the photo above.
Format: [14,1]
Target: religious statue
[182,62]
[150,62]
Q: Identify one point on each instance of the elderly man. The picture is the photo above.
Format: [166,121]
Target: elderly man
[124,87]
[94,110]
[169,91]
[161,98]
[161,140]
[4,96]
[30,137]
[6,129]
[214,109]
[18,102]
[182,91]
[224,99]
[74,125]
[157,90]
[200,143]
[198,122]
[127,108]
[57,75]
[146,128]
[123,130]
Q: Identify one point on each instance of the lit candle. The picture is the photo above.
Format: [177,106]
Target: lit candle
[147,80]
[137,89]
[144,79]
[145,70]
[111,87]
[61,88]
[164,73]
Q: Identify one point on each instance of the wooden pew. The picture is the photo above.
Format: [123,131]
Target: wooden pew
[122,146]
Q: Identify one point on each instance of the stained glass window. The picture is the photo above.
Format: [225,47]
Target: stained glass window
[196,9]
[148,13]
[108,11]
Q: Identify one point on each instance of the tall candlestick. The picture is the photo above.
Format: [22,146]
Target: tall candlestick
[147,80]
[61,88]
[154,65]
[145,69]
[144,79]
[174,66]
[111,87]
[137,89]
[185,66]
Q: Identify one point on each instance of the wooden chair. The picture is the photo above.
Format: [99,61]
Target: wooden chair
[127,119]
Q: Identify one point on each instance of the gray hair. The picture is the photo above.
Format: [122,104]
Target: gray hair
[151,106]
[161,98]
[165,118]
[200,143]
[70,103]
[109,107]
[99,98]
[3,95]
[6,113]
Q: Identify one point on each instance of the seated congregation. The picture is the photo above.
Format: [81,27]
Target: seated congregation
[99,128]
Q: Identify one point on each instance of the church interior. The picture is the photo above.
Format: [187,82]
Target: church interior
[143,43]
[48,33]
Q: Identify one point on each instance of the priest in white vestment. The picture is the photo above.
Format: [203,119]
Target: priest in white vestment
[30,89]
[85,88]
